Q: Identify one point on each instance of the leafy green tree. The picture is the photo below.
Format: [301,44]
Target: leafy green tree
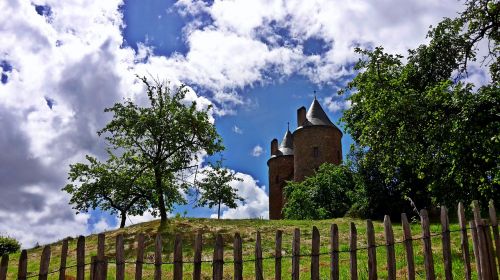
[163,139]
[216,189]
[431,134]
[110,186]
[8,245]
[325,195]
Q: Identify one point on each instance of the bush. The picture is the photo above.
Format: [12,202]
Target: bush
[8,245]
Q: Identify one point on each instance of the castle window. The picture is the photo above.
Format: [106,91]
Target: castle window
[315,152]
[338,155]
[277,179]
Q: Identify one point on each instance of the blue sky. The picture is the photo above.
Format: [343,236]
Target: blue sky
[255,62]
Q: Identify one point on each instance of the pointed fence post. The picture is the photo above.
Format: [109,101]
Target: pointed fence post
[389,243]
[482,243]
[277,255]
[353,263]
[100,266]
[4,264]
[494,227]
[158,257]
[64,255]
[372,251]
[238,257]
[139,256]
[315,254]
[258,259]
[120,258]
[80,258]
[198,243]
[334,252]
[218,260]
[178,257]
[44,263]
[426,236]
[464,242]
[491,253]
[296,254]
[408,243]
[445,240]
[475,247]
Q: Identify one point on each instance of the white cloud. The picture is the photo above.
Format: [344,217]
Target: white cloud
[257,151]
[237,130]
[337,103]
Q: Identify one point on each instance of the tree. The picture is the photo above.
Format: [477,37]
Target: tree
[163,139]
[216,188]
[325,195]
[8,245]
[430,133]
[110,186]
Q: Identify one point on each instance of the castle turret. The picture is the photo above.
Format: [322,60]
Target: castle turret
[281,166]
[315,141]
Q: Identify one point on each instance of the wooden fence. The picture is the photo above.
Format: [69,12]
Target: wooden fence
[486,257]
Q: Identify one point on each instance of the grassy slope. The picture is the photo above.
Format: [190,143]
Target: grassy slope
[188,227]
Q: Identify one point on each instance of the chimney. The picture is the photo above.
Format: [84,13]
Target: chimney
[274,147]
[301,116]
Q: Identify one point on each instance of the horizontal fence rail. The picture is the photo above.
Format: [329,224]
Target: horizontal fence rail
[484,238]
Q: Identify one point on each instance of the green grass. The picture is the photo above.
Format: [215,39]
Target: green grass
[188,227]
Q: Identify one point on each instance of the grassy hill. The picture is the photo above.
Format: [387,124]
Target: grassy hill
[188,227]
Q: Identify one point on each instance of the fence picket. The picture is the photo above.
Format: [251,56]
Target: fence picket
[389,241]
[334,252]
[158,258]
[44,263]
[178,257]
[426,236]
[464,242]
[445,240]
[99,267]
[353,260]
[64,255]
[258,259]
[198,243]
[139,256]
[494,228]
[80,258]
[491,253]
[3,267]
[372,251]
[482,243]
[218,260]
[408,243]
[315,254]
[238,257]
[120,258]
[22,269]
[475,247]
[277,255]
[296,254]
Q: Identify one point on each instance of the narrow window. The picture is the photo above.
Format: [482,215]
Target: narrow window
[277,179]
[315,152]
[338,155]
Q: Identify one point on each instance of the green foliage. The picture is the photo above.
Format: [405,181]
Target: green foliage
[8,245]
[429,135]
[216,189]
[325,195]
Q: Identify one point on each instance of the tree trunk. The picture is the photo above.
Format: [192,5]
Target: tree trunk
[218,212]
[161,200]
[123,215]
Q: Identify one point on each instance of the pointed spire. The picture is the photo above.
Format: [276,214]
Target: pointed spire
[286,146]
[316,115]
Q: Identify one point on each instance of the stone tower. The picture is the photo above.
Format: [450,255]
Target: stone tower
[315,141]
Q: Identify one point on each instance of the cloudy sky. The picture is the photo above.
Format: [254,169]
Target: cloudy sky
[256,62]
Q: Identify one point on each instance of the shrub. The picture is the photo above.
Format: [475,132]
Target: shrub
[8,245]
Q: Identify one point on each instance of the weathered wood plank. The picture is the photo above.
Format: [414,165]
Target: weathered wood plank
[238,257]
[178,257]
[120,258]
[475,247]
[372,251]
[491,253]
[44,263]
[218,259]
[100,270]
[408,243]
[494,227]
[139,256]
[64,255]
[80,258]
[445,241]
[259,273]
[198,243]
[464,241]
[389,245]
[277,255]
[334,252]
[482,243]
[315,254]
[158,256]
[426,237]
[22,268]
[353,259]
[4,265]
[296,254]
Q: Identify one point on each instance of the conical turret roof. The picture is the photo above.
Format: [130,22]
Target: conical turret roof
[286,146]
[316,116]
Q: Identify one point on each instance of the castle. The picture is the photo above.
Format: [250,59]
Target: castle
[315,141]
